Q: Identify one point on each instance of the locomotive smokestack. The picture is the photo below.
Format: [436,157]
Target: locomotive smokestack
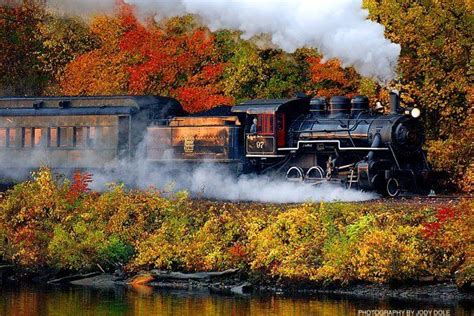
[394,101]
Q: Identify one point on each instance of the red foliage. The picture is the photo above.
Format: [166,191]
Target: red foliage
[80,185]
[443,215]
[184,66]
[148,59]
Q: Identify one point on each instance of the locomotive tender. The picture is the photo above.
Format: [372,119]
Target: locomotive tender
[303,139]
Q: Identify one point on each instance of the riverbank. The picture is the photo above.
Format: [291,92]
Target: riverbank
[55,225]
[234,283]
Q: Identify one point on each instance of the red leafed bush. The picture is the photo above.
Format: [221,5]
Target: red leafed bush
[79,186]
[443,215]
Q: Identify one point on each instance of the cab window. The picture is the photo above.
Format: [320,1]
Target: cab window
[265,124]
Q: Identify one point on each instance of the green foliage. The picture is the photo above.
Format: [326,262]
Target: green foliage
[63,39]
[19,43]
[245,75]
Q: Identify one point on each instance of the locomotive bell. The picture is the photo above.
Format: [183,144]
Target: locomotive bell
[340,105]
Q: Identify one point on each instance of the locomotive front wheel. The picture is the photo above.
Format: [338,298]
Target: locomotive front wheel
[392,187]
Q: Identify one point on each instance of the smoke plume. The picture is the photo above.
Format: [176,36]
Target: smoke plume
[82,7]
[337,28]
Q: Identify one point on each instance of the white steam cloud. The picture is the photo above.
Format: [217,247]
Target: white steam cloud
[218,181]
[337,28]
[82,7]
[214,181]
[203,180]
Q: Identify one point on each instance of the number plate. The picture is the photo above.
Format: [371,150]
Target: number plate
[257,145]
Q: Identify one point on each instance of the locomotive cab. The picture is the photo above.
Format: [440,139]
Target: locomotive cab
[266,125]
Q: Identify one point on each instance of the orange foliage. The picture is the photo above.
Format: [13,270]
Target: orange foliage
[139,59]
[330,79]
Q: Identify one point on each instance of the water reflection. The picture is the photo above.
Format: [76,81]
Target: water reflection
[27,300]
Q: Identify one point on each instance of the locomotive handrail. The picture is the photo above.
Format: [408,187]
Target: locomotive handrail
[394,156]
[325,130]
[350,119]
[332,141]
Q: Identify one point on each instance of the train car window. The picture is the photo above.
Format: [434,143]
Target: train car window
[37,137]
[3,137]
[66,137]
[91,136]
[107,138]
[53,137]
[11,138]
[80,137]
[27,134]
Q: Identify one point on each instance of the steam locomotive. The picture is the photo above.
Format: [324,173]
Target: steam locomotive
[302,139]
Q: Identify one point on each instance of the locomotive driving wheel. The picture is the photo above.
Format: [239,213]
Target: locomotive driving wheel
[295,174]
[315,175]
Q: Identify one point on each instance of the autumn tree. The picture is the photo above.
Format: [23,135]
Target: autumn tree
[328,78]
[103,70]
[435,66]
[63,39]
[181,62]
[20,70]
[261,72]
[173,58]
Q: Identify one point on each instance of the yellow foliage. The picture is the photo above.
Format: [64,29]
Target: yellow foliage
[40,226]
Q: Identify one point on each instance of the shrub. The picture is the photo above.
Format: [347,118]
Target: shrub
[290,246]
[455,157]
[42,224]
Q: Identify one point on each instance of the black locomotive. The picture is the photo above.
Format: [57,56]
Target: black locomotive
[303,139]
[343,141]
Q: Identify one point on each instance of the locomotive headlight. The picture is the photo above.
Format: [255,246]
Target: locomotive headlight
[415,112]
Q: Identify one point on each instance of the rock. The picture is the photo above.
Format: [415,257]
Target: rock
[426,279]
[5,270]
[200,276]
[98,281]
[70,278]
[242,289]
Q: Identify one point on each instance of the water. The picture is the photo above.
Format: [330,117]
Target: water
[30,300]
